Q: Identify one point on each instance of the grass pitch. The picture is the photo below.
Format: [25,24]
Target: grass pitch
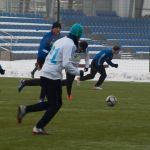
[85,123]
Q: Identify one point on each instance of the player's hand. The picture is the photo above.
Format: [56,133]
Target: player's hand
[81,73]
[85,69]
[115,65]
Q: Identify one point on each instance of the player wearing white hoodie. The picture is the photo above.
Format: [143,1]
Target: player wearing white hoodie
[59,58]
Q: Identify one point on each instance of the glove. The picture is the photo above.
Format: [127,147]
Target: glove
[2,71]
[85,69]
[115,65]
[81,73]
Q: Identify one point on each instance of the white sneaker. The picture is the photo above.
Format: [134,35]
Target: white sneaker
[97,88]
[21,113]
[41,100]
[78,81]
[39,131]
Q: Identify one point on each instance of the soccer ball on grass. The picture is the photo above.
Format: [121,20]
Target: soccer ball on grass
[111,100]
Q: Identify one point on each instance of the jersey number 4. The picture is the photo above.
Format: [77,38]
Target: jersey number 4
[54,53]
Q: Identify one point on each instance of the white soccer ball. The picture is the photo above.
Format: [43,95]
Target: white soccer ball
[111,100]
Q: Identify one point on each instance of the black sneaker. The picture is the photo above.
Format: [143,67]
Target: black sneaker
[22,85]
[32,74]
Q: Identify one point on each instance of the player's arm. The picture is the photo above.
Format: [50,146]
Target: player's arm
[112,64]
[87,58]
[45,43]
[67,60]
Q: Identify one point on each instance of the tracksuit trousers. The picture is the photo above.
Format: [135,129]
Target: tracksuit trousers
[94,69]
[53,90]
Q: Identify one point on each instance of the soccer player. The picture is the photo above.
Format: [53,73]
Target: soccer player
[46,44]
[2,71]
[81,53]
[44,48]
[59,58]
[97,65]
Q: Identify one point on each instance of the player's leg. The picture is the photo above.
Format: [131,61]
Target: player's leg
[64,82]
[23,110]
[42,95]
[33,72]
[70,79]
[92,73]
[31,82]
[38,66]
[102,77]
[53,92]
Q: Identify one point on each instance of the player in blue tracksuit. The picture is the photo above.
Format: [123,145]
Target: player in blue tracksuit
[44,48]
[105,55]
[46,44]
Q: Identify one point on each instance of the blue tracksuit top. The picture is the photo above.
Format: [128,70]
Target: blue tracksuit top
[105,55]
[46,44]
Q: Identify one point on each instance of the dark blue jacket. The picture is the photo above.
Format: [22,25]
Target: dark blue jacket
[105,55]
[46,44]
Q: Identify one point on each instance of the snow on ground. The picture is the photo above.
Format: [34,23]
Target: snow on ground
[128,70]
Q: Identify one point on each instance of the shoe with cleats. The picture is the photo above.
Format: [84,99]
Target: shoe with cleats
[69,98]
[21,113]
[32,74]
[39,131]
[97,88]
[22,85]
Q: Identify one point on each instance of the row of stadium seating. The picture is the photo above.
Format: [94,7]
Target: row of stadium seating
[17,14]
[106,13]
[80,13]
[107,29]
[26,33]
[24,26]
[23,20]
[23,41]
[102,19]
[132,42]
[127,36]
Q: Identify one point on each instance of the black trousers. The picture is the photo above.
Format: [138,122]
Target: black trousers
[96,69]
[36,82]
[53,92]
[68,82]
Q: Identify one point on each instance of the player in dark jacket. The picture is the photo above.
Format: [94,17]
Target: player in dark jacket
[97,65]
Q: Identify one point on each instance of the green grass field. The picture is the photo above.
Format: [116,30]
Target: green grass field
[85,123]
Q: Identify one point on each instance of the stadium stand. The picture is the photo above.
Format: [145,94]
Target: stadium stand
[22,32]
[132,34]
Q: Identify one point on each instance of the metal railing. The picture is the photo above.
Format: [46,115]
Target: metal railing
[7,41]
